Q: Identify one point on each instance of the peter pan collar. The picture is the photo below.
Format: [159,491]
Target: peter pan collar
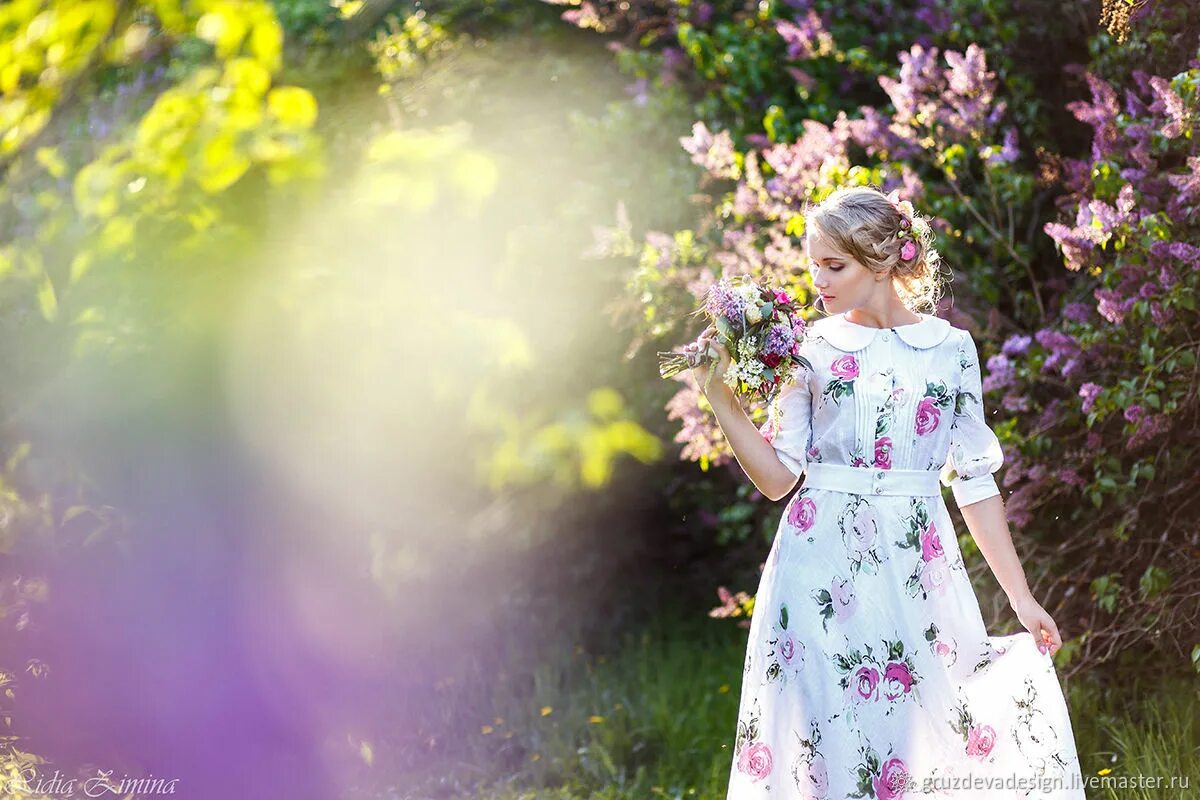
[850,336]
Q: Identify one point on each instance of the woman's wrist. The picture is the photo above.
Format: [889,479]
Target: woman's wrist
[1021,598]
[719,393]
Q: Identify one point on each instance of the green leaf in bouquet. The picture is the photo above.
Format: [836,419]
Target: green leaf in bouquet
[766,310]
[768,374]
[724,328]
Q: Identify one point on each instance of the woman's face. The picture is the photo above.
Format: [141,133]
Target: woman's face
[843,283]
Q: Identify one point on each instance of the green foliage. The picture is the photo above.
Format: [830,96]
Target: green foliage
[655,719]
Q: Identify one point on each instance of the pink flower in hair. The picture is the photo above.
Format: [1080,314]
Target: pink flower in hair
[904,207]
[909,251]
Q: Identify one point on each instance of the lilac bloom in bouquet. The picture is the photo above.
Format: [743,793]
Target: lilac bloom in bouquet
[762,330]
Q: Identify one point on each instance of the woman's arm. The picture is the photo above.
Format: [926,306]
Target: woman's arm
[754,453]
[989,526]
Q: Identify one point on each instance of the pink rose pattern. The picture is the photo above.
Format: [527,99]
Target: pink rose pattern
[868,678]
[808,770]
[769,430]
[802,513]
[931,571]
[837,602]
[786,657]
[751,754]
[886,674]
[892,781]
[859,526]
[979,739]
[929,409]
[845,370]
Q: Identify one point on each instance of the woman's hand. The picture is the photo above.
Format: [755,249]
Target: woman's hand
[705,371]
[1039,623]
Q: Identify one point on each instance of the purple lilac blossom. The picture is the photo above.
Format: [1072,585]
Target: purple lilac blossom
[1088,392]
[1016,345]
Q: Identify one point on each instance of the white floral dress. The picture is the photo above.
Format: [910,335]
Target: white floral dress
[869,671]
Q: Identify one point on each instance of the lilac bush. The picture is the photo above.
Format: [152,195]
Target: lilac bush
[1091,368]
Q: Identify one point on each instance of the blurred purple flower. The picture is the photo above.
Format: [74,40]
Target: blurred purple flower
[1008,152]
[1100,113]
[1016,345]
[1170,105]
[1070,477]
[806,38]
[714,152]
[1077,312]
[1088,392]
[1000,373]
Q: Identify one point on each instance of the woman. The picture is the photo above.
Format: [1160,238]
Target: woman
[869,671]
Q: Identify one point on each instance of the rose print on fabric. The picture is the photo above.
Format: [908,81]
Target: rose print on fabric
[885,418]
[755,760]
[990,654]
[928,416]
[883,452]
[787,655]
[961,400]
[867,678]
[859,525]
[838,601]
[1035,736]
[809,770]
[802,513]
[769,429]
[931,573]
[941,646]
[929,409]
[888,779]
[857,459]
[752,755]
[979,740]
[845,370]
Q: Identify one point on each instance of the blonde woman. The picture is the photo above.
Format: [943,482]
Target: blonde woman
[869,671]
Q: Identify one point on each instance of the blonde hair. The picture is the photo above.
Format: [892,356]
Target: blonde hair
[862,222]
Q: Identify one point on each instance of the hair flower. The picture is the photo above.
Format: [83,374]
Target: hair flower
[909,251]
[903,207]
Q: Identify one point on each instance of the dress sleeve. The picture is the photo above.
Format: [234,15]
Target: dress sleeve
[975,451]
[790,430]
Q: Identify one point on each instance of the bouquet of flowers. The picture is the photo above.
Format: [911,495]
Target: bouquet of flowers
[762,330]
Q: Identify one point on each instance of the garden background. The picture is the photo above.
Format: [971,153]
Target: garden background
[335,458]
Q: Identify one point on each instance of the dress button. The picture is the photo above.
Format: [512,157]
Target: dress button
[878,490]
[886,337]
[879,474]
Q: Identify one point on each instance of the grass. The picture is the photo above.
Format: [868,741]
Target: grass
[657,719]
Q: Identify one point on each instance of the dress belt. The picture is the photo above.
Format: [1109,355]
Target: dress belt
[871,480]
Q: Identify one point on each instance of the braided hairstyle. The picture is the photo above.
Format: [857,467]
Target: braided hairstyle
[886,236]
